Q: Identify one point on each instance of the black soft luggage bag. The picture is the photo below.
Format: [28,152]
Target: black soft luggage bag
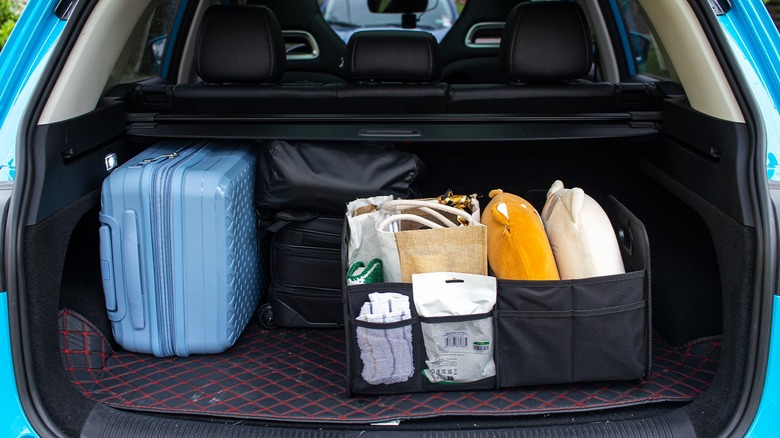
[305,285]
[325,176]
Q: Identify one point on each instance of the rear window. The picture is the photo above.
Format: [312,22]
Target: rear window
[645,53]
[146,51]
[349,16]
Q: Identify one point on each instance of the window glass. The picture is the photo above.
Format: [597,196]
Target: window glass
[146,50]
[349,16]
[647,56]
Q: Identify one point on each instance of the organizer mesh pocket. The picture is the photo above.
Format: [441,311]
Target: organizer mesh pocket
[387,355]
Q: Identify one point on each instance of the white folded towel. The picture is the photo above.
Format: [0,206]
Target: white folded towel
[386,353]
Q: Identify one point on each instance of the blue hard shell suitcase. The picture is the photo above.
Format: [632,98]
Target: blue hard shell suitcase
[179,247]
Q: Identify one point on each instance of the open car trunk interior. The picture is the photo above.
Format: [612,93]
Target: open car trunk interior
[671,162]
[675,176]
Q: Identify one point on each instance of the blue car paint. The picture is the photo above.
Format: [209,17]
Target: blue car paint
[9,129]
[13,422]
[624,35]
[751,19]
[21,64]
[34,35]
[177,23]
[755,40]
[767,422]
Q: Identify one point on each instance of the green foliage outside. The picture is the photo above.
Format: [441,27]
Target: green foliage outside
[9,13]
[774,10]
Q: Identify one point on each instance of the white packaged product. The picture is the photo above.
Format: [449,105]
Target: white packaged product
[457,351]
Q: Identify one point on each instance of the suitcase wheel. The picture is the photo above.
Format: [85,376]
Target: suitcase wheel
[265,317]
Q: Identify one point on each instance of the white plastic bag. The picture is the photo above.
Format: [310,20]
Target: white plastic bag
[365,243]
[457,351]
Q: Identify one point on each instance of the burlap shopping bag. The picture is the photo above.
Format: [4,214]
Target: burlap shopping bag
[433,238]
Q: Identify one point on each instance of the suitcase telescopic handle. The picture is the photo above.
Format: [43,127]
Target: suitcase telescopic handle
[131,262]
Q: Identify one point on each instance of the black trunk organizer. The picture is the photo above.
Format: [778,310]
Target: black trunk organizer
[545,332]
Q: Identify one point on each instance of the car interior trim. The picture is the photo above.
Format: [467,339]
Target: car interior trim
[186,68]
[694,61]
[472,36]
[314,49]
[606,62]
[90,64]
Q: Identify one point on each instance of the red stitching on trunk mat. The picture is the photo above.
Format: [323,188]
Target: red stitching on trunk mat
[298,375]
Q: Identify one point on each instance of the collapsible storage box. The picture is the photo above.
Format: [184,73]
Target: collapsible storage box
[545,332]
[179,247]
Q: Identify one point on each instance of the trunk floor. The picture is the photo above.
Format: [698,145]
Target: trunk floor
[299,376]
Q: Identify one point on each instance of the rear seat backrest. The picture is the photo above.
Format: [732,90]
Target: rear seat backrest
[392,56]
[240,44]
[545,53]
[240,55]
[392,71]
[546,42]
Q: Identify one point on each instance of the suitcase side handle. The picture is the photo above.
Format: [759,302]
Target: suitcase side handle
[111,267]
[107,267]
[132,267]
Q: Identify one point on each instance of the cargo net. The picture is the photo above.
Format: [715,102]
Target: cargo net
[299,376]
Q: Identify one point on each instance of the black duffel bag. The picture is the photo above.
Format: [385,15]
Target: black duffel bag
[324,176]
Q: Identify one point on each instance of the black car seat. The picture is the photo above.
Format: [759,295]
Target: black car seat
[240,58]
[239,45]
[469,51]
[545,55]
[316,51]
[546,41]
[392,71]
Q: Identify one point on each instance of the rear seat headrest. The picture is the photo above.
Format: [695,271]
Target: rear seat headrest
[240,44]
[546,41]
[392,55]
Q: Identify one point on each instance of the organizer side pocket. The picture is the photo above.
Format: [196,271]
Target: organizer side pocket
[580,330]
[614,313]
[534,333]
[535,347]
[383,357]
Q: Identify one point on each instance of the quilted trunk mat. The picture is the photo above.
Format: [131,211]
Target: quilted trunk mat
[299,376]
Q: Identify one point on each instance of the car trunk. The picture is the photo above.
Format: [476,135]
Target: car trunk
[682,177]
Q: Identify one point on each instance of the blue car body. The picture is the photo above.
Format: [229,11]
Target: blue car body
[21,62]
[748,27]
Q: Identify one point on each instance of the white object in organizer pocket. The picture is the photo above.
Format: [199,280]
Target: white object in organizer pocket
[386,353]
[457,351]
